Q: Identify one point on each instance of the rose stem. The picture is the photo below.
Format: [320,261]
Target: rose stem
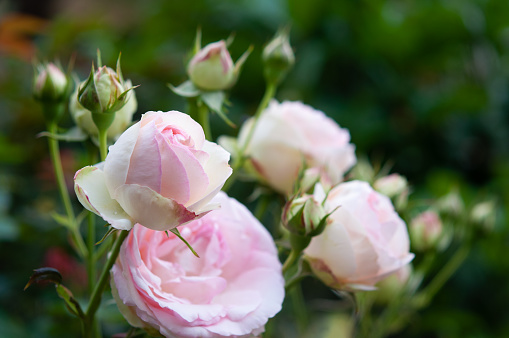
[95,299]
[270,91]
[91,259]
[64,194]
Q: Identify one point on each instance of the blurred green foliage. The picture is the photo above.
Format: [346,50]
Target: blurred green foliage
[421,84]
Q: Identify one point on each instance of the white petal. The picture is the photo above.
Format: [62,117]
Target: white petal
[90,187]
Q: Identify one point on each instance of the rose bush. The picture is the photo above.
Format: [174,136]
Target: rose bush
[290,133]
[161,173]
[364,242]
[232,290]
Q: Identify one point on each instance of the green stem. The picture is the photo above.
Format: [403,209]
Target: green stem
[91,259]
[95,299]
[443,275]
[64,194]
[203,118]
[103,143]
[270,91]
[290,260]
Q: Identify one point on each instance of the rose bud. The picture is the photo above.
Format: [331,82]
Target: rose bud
[364,241]
[290,136]
[104,91]
[278,58]
[161,172]
[212,67]
[123,117]
[304,216]
[50,83]
[425,230]
[391,186]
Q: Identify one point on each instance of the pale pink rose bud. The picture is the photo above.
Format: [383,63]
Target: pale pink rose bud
[230,291]
[278,57]
[289,135]
[123,117]
[364,242]
[392,185]
[483,214]
[425,230]
[50,83]
[161,173]
[212,67]
[104,91]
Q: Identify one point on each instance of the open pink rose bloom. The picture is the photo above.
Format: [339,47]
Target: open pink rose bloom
[364,242]
[290,134]
[161,173]
[232,290]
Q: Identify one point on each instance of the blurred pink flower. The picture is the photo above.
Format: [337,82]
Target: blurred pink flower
[291,134]
[364,242]
[230,291]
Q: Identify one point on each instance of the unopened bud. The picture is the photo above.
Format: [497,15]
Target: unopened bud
[451,204]
[50,83]
[484,214]
[212,67]
[425,230]
[392,185]
[304,216]
[278,57]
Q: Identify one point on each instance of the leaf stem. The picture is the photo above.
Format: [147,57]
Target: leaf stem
[54,151]
[270,91]
[95,299]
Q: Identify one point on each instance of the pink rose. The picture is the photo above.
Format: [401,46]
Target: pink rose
[290,133]
[160,173]
[364,242]
[231,290]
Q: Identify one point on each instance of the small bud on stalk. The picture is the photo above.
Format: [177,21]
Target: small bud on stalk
[425,230]
[212,67]
[51,90]
[278,58]
[50,83]
[104,93]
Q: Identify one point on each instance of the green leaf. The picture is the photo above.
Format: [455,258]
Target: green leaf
[186,89]
[74,134]
[44,275]
[70,302]
[214,100]
[177,233]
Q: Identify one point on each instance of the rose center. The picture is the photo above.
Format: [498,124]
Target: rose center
[174,135]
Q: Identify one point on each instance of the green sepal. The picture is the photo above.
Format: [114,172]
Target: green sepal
[109,232]
[75,134]
[186,89]
[214,101]
[88,96]
[177,233]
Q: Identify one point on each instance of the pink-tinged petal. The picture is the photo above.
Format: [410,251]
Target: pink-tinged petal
[151,209]
[145,167]
[333,246]
[90,187]
[180,120]
[185,179]
[218,170]
[117,161]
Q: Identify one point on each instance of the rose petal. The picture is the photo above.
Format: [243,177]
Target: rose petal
[151,209]
[90,187]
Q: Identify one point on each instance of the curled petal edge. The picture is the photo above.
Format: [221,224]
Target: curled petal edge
[91,190]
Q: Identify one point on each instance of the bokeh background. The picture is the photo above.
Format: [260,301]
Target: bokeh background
[422,85]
